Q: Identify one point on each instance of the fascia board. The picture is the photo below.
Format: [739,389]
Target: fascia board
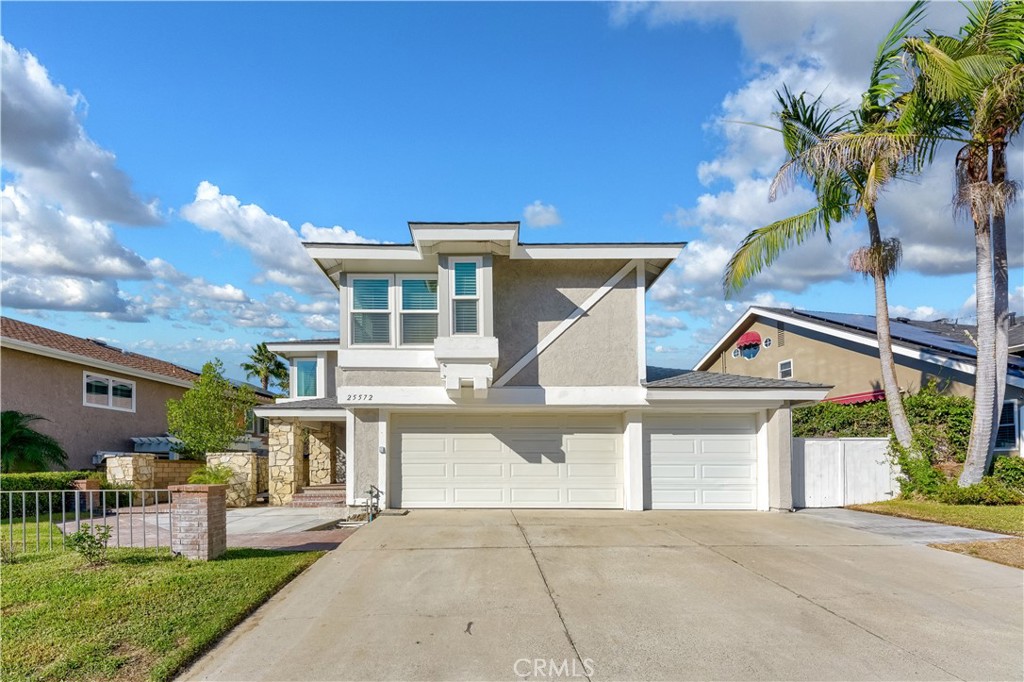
[752,395]
[401,252]
[597,251]
[46,351]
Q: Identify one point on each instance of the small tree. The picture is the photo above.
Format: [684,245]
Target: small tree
[24,449]
[211,414]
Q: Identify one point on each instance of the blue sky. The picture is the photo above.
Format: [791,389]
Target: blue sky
[162,160]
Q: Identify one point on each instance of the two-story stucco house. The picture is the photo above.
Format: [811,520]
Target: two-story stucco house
[473,370]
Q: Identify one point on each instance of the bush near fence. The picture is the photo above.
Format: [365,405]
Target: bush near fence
[28,483]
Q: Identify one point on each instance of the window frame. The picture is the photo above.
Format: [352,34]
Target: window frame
[792,370]
[86,374]
[477,297]
[390,311]
[401,311]
[1015,413]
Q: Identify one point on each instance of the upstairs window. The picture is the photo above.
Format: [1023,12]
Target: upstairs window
[417,310]
[1006,436]
[465,297]
[371,311]
[305,378]
[108,392]
[786,369]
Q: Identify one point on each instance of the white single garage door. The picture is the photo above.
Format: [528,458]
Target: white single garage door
[701,462]
[505,461]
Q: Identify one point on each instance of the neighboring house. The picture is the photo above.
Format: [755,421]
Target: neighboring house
[476,371]
[842,350]
[96,397]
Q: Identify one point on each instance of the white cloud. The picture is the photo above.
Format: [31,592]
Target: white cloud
[665,349]
[274,245]
[336,234]
[41,239]
[321,323]
[539,214]
[661,326]
[46,146]
[55,292]
[921,312]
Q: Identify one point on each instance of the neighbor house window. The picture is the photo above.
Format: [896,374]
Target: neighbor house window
[786,369]
[305,378]
[1006,436]
[370,311]
[108,392]
[465,297]
[417,308]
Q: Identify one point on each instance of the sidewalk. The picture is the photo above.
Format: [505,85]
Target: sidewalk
[908,530]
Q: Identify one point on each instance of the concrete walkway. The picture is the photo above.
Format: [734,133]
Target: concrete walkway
[907,530]
[497,595]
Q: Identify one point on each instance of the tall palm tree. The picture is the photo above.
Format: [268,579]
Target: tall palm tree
[265,365]
[977,78]
[844,187]
[22,448]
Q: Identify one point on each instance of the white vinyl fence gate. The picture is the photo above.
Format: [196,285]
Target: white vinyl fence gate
[835,472]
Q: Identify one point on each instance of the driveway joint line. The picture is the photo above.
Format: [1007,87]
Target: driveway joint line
[558,611]
[834,613]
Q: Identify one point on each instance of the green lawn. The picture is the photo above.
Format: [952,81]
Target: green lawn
[998,519]
[24,537]
[142,616]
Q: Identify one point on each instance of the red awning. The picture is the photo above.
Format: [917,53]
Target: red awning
[749,339]
[854,398]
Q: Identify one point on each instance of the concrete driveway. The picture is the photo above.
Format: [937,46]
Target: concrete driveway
[498,595]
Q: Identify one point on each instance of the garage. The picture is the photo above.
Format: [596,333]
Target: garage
[700,462]
[506,461]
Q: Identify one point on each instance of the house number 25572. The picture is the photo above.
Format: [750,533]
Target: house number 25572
[359,397]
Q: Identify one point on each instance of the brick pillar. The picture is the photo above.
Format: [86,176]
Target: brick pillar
[321,454]
[199,521]
[91,500]
[285,461]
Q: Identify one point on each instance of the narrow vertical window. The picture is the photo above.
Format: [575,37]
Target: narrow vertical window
[465,298]
[305,378]
[786,369]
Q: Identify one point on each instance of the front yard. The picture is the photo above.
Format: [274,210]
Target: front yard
[143,616]
[1008,519]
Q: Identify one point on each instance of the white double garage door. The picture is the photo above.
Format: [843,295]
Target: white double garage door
[689,461]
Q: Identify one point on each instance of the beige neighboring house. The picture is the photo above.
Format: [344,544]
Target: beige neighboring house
[841,350]
[95,396]
[473,370]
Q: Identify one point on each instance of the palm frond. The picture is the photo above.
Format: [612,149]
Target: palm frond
[762,247]
[881,260]
[885,70]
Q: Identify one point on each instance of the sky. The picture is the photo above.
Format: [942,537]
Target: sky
[162,162]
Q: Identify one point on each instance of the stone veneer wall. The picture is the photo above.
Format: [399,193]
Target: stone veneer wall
[286,469]
[134,470]
[241,489]
[173,471]
[321,453]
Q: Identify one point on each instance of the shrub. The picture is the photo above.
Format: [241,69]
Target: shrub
[44,480]
[210,415]
[91,543]
[211,475]
[22,448]
[918,477]
[1010,472]
[990,491]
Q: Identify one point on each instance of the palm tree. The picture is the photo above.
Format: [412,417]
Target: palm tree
[265,365]
[977,79]
[22,448]
[844,187]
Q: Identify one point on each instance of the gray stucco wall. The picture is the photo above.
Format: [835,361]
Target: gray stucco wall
[780,459]
[53,389]
[364,458]
[531,298]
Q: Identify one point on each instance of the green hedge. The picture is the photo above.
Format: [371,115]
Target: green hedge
[941,423]
[43,480]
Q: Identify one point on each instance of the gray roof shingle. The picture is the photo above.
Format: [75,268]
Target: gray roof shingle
[664,377]
[311,404]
